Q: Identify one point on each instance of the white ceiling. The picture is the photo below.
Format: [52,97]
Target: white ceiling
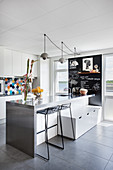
[85,24]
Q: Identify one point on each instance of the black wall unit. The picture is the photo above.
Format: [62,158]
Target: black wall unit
[86,72]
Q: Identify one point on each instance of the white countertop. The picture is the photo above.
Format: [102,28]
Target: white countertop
[50,101]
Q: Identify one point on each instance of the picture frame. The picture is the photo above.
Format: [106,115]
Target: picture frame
[87,64]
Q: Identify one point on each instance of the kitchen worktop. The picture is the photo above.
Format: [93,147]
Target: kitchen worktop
[49,101]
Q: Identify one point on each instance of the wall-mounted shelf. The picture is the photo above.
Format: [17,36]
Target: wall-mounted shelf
[88,73]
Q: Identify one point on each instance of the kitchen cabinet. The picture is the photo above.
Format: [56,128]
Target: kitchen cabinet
[2,108]
[17,60]
[35,66]
[3,104]
[25,57]
[83,120]
[14,63]
[24,63]
[8,63]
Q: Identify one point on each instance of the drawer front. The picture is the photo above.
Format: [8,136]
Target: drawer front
[81,125]
[67,127]
[94,115]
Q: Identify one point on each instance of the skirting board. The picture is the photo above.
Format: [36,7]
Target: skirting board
[2,121]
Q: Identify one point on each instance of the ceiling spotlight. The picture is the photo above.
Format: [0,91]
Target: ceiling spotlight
[44,55]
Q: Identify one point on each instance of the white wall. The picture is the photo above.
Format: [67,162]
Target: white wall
[45,76]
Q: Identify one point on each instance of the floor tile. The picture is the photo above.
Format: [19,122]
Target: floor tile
[111,159]
[57,164]
[81,158]
[109,166]
[93,148]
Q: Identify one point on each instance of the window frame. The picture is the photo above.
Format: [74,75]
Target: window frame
[55,76]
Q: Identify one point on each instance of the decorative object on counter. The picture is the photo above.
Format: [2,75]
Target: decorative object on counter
[37,92]
[83,91]
[13,86]
[28,78]
[44,55]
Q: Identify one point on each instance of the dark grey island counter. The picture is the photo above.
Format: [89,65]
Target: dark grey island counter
[22,122]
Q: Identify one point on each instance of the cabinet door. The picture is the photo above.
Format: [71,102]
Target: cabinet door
[81,125]
[8,63]
[2,108]
[34,71]
[1,62]
[24,63]
[17,62]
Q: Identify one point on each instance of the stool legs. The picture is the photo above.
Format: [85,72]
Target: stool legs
[61,129]
[72,123]
[46,134]
[46,138]
[60,147]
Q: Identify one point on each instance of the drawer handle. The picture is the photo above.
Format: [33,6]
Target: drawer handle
[80,117]
[93,110]
[87,113]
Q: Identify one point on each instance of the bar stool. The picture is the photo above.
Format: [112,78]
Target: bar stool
[46,112]
[68,106]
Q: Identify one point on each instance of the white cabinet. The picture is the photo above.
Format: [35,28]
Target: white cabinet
[3,104]
[17,61]
[25,57]
[1,62]
[35,66]
[24,63]
[83,121]
[2,108]
[8,63]
[14,63]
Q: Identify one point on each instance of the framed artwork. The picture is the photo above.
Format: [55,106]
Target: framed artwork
[87,64]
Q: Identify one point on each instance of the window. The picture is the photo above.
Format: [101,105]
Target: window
[108,82]
[109,74]
[61,77]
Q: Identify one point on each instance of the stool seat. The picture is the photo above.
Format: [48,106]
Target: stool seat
[49,110]
[65,106]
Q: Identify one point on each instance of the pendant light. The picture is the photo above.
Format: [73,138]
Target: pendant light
[44,55]
[62,60]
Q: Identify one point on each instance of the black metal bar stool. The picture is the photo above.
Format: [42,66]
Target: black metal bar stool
[46,112]
[68,106]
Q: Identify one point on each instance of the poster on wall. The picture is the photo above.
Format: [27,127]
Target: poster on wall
[87,64]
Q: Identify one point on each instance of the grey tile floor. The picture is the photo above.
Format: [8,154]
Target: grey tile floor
[92,151]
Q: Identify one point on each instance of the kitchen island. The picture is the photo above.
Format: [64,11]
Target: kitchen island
[23,122]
